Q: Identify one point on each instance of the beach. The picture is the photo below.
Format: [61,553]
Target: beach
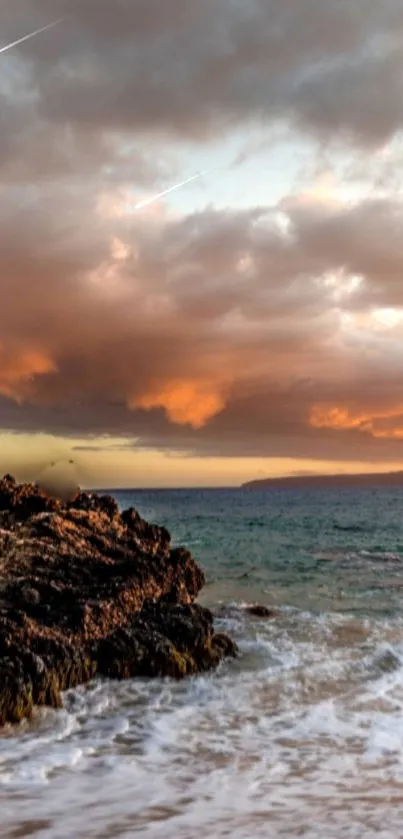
[301,735]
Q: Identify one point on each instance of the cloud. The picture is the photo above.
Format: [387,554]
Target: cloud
[185,402]
[262,331]
[190,69]
[18,367]
[221,332]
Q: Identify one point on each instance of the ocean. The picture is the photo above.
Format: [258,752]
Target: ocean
[301,736]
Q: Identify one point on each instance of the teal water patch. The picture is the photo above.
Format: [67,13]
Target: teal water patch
[337,550]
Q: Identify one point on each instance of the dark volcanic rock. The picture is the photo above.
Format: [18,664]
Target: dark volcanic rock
[255,611]
[258,611]
[87,590]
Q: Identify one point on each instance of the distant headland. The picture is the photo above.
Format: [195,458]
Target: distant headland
[376,479]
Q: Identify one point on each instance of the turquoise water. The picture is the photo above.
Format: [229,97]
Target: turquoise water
[317,550]
[301,736]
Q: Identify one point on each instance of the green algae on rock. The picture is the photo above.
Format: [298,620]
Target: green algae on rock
[87,590]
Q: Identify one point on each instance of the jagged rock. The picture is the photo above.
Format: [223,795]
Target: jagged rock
[86,590]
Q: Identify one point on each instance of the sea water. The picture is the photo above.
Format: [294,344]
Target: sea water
[301,736]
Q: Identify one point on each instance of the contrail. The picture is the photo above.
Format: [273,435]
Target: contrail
[148,201]
[31,35]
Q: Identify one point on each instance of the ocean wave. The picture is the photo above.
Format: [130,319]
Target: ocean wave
[308,721]
[355,555]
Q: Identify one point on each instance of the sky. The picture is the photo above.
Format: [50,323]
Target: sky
[247,325]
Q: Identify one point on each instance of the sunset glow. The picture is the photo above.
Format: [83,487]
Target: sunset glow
[201,239]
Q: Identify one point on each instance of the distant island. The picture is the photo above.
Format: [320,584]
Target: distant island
[377,479]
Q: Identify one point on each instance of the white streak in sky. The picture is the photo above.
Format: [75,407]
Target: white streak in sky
[31,35]
[148,201]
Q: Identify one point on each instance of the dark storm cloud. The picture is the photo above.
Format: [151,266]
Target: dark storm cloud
[190,69]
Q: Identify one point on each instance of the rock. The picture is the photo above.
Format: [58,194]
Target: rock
[258,611]
[23,500]
[87,590]
[255,611]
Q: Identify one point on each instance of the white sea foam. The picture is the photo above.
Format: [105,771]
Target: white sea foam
[302,735]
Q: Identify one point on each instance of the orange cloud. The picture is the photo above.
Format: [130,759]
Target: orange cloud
[386,424]
[185,402]
[18,368]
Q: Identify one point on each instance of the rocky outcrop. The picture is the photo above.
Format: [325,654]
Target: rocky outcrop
[86,590]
